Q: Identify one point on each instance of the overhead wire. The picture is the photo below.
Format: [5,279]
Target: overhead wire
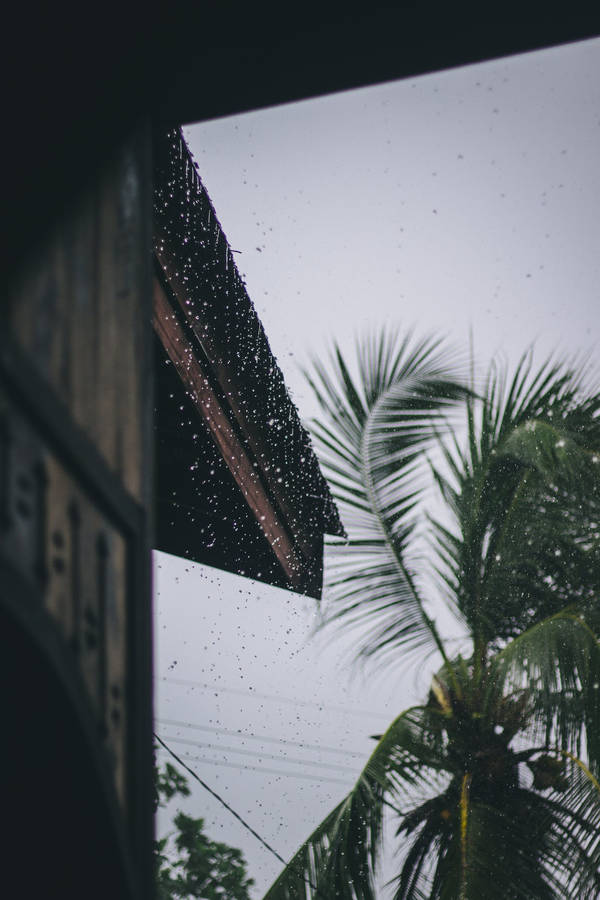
[349,710]
[260,755]
[314,887]
[263,738]
[265,770]
[221,800]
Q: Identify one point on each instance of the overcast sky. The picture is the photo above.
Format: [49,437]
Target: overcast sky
[466,200]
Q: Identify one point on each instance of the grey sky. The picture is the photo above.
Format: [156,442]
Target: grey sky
[466,199]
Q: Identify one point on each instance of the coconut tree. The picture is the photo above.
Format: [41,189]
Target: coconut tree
[493,781]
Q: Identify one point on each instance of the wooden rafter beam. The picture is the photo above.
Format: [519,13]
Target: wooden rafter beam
[242,467]
[228,381]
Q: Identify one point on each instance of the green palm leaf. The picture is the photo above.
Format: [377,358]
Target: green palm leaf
[558,661]
[340,857]
[510,844]
[526,501]
[496,781]
[524,847]
[577,817]
[372,442]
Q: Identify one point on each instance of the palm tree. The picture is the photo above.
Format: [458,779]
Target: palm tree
[493,781]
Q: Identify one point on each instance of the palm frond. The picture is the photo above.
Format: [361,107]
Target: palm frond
[466,847]
[573,843]
[514,850]
[372,443]
[525,497]
[339,859]
[558,661]
[496,782]
[514,845]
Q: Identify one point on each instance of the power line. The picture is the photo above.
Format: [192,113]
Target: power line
[256,755]
[263,738]
[314,887]
[251,693]
[221,801]
[265,770]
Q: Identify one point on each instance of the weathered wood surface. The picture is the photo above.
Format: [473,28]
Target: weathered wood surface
[75,559]
[80,313]
[75,483]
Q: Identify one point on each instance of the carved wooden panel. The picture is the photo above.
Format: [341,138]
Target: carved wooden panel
[76,482]
[77,560]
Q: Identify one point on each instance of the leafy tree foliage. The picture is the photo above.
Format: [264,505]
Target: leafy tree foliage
[494,779]
[200,867]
